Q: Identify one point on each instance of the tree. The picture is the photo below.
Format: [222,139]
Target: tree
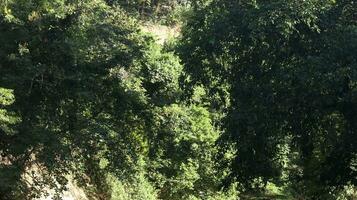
[289,70]
[183,153]
[61,59]
[98,101]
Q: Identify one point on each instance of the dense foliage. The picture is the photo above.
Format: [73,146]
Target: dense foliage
[290,69]
[256,97]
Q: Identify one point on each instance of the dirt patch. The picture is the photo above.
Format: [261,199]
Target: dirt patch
[160,32]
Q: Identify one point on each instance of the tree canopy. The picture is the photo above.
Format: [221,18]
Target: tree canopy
[289,67]
[252,98]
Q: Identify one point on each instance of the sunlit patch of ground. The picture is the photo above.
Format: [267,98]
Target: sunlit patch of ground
[73,193]
[160,32]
